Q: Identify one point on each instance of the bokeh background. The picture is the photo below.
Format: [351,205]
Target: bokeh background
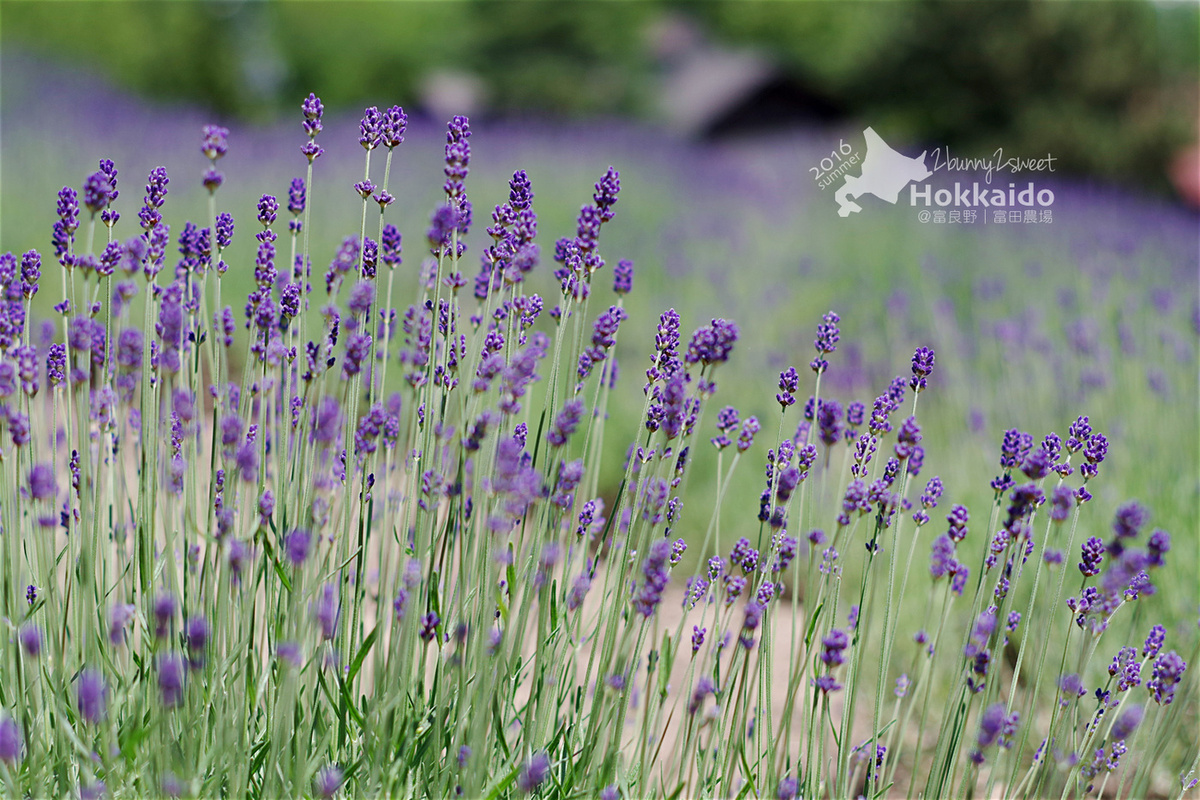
[714,112]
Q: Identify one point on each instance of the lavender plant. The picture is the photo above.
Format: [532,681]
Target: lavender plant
[256,564]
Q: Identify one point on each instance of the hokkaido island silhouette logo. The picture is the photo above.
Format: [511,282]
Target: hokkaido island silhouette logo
[884,174]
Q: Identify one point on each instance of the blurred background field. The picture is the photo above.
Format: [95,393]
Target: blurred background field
[1096,313]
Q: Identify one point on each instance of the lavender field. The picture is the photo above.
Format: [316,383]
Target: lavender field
[299,552]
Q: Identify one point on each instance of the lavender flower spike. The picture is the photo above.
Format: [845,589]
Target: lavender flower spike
[922,366]
[10,740]
[656,575]
[826,341]
[91,692]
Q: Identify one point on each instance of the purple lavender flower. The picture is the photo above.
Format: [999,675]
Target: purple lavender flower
[826,341]
[392,130]
[1158,544]
[1154,641]
[610,792]
[30,637]
[357,348]
[958,518]
[429,625]
[1129,520]
[1078,434]
[750,427]
[326,611]
[579,590]
[605,196]
[68,209]
[712,345]
[655,573]
[1095,452]
[10,740]
[1127,723]
[787,552]
[907,438]
[361,298]
[788,382]
[391,246]
[268,210]
[31,272]
[91,693]
[829,419]
[991,725]
[855,500]
[119,617]
[565,423]
[878,425]
[1037,465]
[1092,554]
[98,191]
[1071,688]
[750,623]
[922,366]
[42,484]
[826,684]
[165,606]
[298,545]
[215,143]
[1014,448]
[1168,671]
[1062,500]
[56,364]
[534,773]
[833,646]
[704,687]
[677,549]
[170,679]
[942,559]
[623,277]
[196,635]
[1127,667]
[370,129]
[458,157]
[328,781]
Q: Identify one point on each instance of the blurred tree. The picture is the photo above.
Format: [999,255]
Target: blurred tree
[561,55]
[354,53]
[1108,88]
[164,50]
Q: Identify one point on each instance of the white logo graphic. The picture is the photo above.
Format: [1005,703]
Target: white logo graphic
[884,174]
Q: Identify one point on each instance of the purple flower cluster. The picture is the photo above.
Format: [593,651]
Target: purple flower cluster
[1168,672]
[655,574]
[826,341]
[713,344]
[995,727]
[922,366]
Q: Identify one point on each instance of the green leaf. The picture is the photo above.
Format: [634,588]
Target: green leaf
[347,704]
[503,784]
[357,663]
[130,739]
[279,570]
[668,660]
[499,727]
[749,786]
[812,626]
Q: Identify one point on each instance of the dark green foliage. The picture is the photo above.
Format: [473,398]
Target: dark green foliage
[1108,88]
